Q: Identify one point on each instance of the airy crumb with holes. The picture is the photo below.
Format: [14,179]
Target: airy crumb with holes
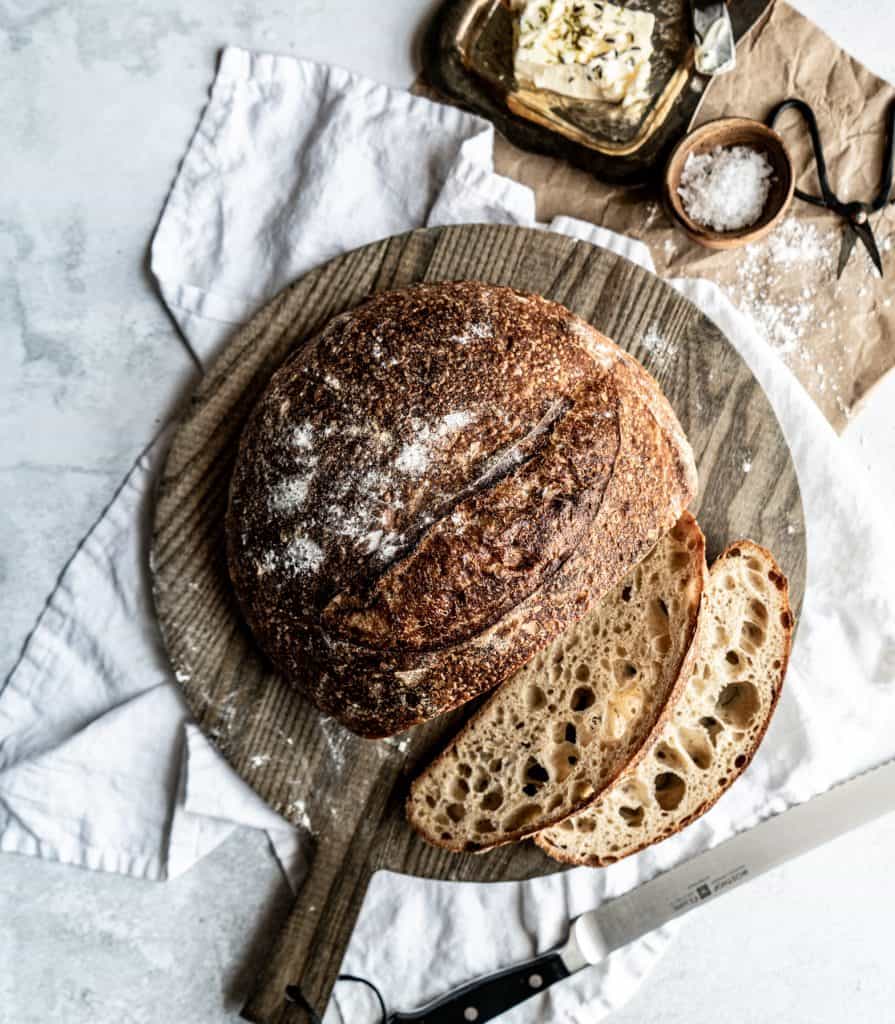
[741,654]
[560,730]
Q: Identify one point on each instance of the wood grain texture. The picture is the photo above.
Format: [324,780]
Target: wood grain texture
[348,791]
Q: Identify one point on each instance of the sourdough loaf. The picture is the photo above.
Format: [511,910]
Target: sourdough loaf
[434,487]
[561,729]
[742,652]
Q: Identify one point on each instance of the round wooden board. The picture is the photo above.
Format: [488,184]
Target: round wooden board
[349,791]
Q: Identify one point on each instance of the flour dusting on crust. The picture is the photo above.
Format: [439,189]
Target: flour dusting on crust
[416,487]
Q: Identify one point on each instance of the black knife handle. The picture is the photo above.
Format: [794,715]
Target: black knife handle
[489,997]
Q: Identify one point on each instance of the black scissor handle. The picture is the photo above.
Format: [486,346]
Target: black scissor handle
[828,195]
[885,185]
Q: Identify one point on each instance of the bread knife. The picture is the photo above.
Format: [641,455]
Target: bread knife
[715,47]
[596,934]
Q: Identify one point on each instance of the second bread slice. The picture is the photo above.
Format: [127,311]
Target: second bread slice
[742,652]
[562,729]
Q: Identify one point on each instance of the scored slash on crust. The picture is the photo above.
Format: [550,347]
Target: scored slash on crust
[427,629]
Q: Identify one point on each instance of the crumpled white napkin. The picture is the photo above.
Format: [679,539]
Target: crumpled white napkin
[292,163]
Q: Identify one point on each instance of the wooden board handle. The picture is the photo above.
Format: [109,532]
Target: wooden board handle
[311,945]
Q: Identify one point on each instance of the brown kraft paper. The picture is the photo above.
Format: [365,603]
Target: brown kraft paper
[837,337]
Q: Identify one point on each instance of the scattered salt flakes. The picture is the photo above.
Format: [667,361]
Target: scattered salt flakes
[259,760]
[332,382]
[790,529]
[182,677]
[303,436]
[412,459]
[727,188]
[766,267]
[747,465]
[302,555]
[669,248]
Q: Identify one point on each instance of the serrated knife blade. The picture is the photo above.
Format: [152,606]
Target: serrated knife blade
[598,933]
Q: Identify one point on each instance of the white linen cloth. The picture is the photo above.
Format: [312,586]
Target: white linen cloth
[99,766]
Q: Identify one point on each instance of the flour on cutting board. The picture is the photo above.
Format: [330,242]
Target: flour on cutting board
[654,342]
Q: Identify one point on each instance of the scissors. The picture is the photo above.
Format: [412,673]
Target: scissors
[856,215]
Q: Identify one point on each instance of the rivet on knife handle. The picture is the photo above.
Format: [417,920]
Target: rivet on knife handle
[489,997]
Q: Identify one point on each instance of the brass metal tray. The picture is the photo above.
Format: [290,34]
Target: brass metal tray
[468,57]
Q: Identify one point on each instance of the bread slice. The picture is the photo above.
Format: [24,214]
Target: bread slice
[565,725]
[741,655]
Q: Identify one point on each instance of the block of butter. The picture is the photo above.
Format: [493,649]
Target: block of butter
[583,48]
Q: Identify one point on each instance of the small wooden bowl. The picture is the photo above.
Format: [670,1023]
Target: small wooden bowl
[731,131]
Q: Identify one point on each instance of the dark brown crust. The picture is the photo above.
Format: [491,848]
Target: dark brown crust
[566,467]
[675,692]
[749,547]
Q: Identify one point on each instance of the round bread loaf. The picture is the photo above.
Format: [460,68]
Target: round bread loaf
[434,487]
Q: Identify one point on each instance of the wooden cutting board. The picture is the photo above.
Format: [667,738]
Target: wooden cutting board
[348,792]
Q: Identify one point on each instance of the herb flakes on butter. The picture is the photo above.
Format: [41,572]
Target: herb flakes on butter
[584,49]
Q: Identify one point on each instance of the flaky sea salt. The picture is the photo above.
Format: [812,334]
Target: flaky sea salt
[727,188]
[765,267]
[786,283]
